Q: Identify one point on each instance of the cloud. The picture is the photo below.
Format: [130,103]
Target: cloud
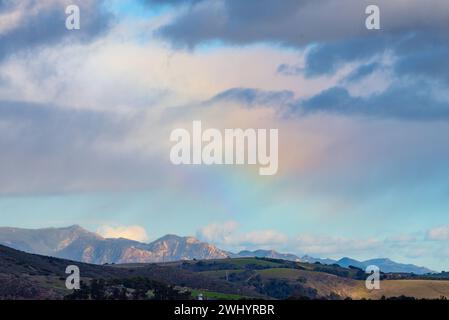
[75,118]
[136,233]
[415,53]
[335,246]
[253,97]
[417,101]
[227,234]
[218,232]
[297,22]
[331,33]
[263,238]
[54,149]
[402,101]
[363,71]
[438,233]
[28,24]
[425,61]
[402,246]
[402,240]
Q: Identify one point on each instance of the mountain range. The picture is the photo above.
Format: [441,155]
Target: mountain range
[76,243]
[385,265]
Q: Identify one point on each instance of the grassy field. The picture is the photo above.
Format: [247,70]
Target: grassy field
[420,289]
[324,283]
[216,295]
[219,273]
[327,284]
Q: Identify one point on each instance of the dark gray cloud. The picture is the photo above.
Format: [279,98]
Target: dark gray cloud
[333,30]
[43,23]
[417,52]
[414,101]
[413,34]
[363,71]
[427,60]
[326,58]
[250,21]
[253,97]
[299,22]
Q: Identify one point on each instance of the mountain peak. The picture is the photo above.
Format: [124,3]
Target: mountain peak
[347,260]
[384,260]
[169,237]
[75,227]
[268,254]
[80,231]
[173,237]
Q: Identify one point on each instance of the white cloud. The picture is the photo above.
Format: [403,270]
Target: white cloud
[335,246]
[412,246]
[227,234]
[438,233]
[262,238]
[399,247]
[136,233]
[218,232]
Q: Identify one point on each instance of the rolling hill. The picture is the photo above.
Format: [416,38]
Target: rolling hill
[30,276]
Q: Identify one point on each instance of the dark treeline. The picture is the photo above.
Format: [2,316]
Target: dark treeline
[127,289]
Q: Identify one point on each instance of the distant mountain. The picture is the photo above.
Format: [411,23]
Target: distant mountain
[76,243]
[268,254]
[347,262]
[385,265]
[310,259]
[45,241]
[175,248]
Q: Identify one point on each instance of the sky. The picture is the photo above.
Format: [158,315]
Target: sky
[362,115]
